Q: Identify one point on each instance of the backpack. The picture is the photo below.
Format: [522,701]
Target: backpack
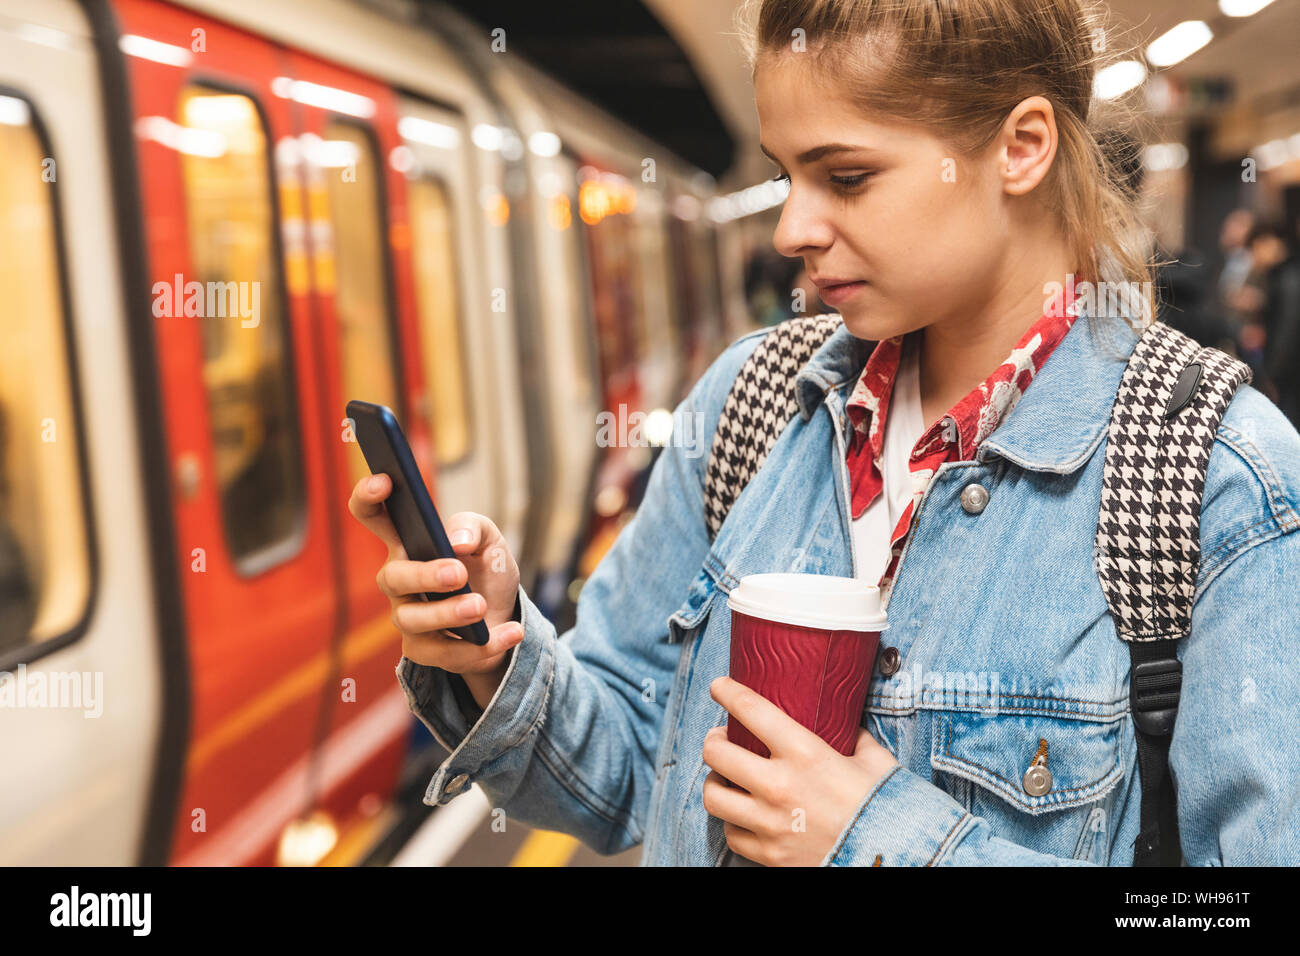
[1171,397]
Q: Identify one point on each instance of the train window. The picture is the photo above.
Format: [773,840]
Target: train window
[247,358]
[44,549]
[434,252]
[352,170]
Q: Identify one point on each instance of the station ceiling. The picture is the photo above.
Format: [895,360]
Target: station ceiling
[674,69]
[619,54]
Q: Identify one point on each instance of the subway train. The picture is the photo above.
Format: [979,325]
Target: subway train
[219,222]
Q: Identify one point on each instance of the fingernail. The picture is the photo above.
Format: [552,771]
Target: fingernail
[447,575]
[374,484]
[461,536]
[469,604]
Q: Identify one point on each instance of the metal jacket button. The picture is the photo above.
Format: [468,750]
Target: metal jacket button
[457,783]
[974,497]
[889,661]
[1038,780]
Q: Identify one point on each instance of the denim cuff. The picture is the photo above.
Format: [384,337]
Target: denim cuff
[514,710]
[904,821]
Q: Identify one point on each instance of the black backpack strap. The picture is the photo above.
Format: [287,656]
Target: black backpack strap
[758,408]
[1167,410]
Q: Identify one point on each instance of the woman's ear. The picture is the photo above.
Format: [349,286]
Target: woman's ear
[1026,145]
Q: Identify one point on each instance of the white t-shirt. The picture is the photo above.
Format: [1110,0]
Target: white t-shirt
[904,425]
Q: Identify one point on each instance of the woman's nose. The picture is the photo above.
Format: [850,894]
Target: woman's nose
[801,228]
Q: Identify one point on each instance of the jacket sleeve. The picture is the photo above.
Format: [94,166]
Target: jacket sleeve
[568,741]
[1235,752]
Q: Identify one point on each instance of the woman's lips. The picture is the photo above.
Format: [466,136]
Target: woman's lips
[840,292]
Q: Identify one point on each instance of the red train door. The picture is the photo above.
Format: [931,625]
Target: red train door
[604,201]
[243,427]
[363,292]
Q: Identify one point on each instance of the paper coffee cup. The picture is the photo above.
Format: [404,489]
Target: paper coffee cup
[807,643]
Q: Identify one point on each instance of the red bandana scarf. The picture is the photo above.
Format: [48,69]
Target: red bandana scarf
[955,436]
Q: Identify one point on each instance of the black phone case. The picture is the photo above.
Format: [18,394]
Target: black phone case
[409,506]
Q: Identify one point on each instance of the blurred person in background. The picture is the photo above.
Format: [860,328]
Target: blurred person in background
[1233,233]
[1280,318]
[1267,248]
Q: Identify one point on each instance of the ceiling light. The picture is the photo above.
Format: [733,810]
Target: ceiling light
[1242,8]
[1117,79]
[486,136]
[1177,44]
[1162,157]
[544,143]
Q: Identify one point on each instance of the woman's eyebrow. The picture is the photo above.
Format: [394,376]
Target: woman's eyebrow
[817,152]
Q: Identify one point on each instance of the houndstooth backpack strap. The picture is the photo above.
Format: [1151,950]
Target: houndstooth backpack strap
[758,408]
[1170,401]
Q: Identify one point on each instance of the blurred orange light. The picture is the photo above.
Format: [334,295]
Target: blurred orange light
[593,202]
[626,199]
[561,215]
[498,209]
[399,235]
[598,198]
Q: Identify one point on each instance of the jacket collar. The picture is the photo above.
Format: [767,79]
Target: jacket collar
[1058,422]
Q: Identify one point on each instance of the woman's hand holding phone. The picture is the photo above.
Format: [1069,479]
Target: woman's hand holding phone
[482,559]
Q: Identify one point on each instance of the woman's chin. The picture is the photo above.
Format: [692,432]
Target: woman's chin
[868,323]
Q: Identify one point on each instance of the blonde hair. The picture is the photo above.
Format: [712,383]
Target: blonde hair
[960,67]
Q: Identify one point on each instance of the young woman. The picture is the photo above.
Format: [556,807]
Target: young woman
[944,187]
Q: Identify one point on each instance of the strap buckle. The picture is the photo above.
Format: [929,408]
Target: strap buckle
[1183,390]
[1154,687]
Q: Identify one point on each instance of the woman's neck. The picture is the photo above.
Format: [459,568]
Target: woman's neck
[960,351]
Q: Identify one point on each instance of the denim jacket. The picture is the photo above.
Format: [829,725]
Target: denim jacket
[1003,634]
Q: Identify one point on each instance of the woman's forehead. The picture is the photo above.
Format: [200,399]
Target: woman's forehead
[790,123]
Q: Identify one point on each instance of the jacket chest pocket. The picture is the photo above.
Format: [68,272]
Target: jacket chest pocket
[1046,782]
[694,611]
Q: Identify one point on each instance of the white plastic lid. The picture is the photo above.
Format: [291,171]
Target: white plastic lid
[810,600]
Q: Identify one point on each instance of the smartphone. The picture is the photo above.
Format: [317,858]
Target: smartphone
[409,506]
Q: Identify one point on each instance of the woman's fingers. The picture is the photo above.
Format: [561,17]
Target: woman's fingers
[743,842]
[400,577]
[472,534]
[729,804]
[742,767]
[419,617]
[778,731]
[367,506]
[483,563]
[440,649]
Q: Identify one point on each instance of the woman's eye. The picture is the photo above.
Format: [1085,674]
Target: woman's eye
[781,177]
[848,182]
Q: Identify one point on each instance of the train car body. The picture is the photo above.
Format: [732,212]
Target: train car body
[223,221]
